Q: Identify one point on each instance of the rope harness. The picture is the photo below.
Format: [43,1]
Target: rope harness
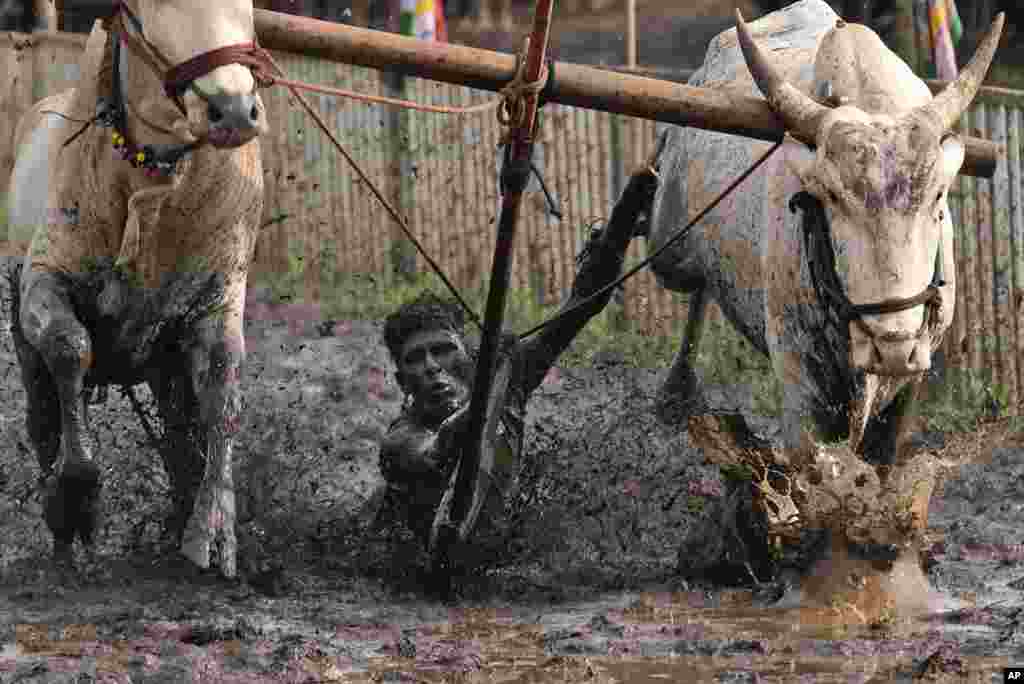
[680,234]
[821,261]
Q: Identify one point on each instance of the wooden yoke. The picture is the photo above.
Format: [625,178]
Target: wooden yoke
[569,84]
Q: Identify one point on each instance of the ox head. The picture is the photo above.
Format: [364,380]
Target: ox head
[882,180]
[188,37]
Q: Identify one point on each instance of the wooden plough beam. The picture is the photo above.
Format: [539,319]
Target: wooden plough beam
[569,84]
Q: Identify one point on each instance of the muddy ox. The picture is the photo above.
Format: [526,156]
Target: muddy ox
[143,223]
[835,258]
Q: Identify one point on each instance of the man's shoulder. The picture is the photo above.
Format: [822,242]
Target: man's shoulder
[407,423]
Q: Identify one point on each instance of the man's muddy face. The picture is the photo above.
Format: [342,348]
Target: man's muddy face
[433,366]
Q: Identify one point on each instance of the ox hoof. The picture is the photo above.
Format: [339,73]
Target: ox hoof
[212,525]
[198,547]
[680,396]
[197,550]
[71,505]
[81,471]
[63,557]
[673,408]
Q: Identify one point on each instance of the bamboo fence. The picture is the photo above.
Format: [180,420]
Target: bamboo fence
[441,172]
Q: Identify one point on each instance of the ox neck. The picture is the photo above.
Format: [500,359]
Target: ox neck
[141,118]
[139,92]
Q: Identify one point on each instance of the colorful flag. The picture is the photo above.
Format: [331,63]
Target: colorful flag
[441,29]
[423,19]
[940,29]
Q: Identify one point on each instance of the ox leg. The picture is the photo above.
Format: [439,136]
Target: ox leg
[681,389]
[181,449]
[56,353]
[42,421]
[886,433]
[215,364]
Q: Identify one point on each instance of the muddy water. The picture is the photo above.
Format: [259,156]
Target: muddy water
[149,630]
[596,593]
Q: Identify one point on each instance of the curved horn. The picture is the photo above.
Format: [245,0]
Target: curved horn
[801,114]
[956,97]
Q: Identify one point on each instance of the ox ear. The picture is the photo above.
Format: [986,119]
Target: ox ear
[952,156]
[802,169]
[800,160]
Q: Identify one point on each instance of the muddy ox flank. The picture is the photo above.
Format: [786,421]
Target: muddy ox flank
[141,277]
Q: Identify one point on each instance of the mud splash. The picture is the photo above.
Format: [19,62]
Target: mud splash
[874,519]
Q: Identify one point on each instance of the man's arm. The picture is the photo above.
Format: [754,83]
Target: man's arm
[602,264]
[408,450]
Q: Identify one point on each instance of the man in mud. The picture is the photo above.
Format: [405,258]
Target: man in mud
[435,370]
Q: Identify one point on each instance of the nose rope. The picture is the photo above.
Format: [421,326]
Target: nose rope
[178,79]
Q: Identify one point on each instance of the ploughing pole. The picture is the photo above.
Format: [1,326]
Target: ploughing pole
[457,517]
[569,84]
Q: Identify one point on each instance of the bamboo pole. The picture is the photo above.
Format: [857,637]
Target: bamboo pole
[46,15]
[631,33]
[466,505]
[570,84]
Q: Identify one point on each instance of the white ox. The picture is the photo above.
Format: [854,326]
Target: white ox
[882,161]
[137,272]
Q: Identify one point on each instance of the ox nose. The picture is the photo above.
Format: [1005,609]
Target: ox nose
[893,344]
[235,119]
[893,354]
[900,356]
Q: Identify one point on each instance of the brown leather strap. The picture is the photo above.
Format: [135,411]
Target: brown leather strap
[896,305]
[178,78]
[145,51]
[141,47]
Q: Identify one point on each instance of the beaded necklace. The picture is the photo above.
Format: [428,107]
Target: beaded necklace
[154,160]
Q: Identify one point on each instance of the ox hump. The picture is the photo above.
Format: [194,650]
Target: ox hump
[855,67]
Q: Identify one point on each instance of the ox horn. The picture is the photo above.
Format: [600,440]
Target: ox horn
[800,113]
[957,96]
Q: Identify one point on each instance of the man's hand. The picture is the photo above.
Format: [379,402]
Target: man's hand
[451,437]
[456,422]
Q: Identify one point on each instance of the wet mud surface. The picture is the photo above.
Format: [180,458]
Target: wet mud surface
[621,561]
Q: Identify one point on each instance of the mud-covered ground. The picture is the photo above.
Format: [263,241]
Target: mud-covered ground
[623,559]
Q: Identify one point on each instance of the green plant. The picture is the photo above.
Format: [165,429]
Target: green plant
[725,357]
[738,472]
[633,345]
[192,263]
[966,396]
[695,504]
[885,620]
[1006,76]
